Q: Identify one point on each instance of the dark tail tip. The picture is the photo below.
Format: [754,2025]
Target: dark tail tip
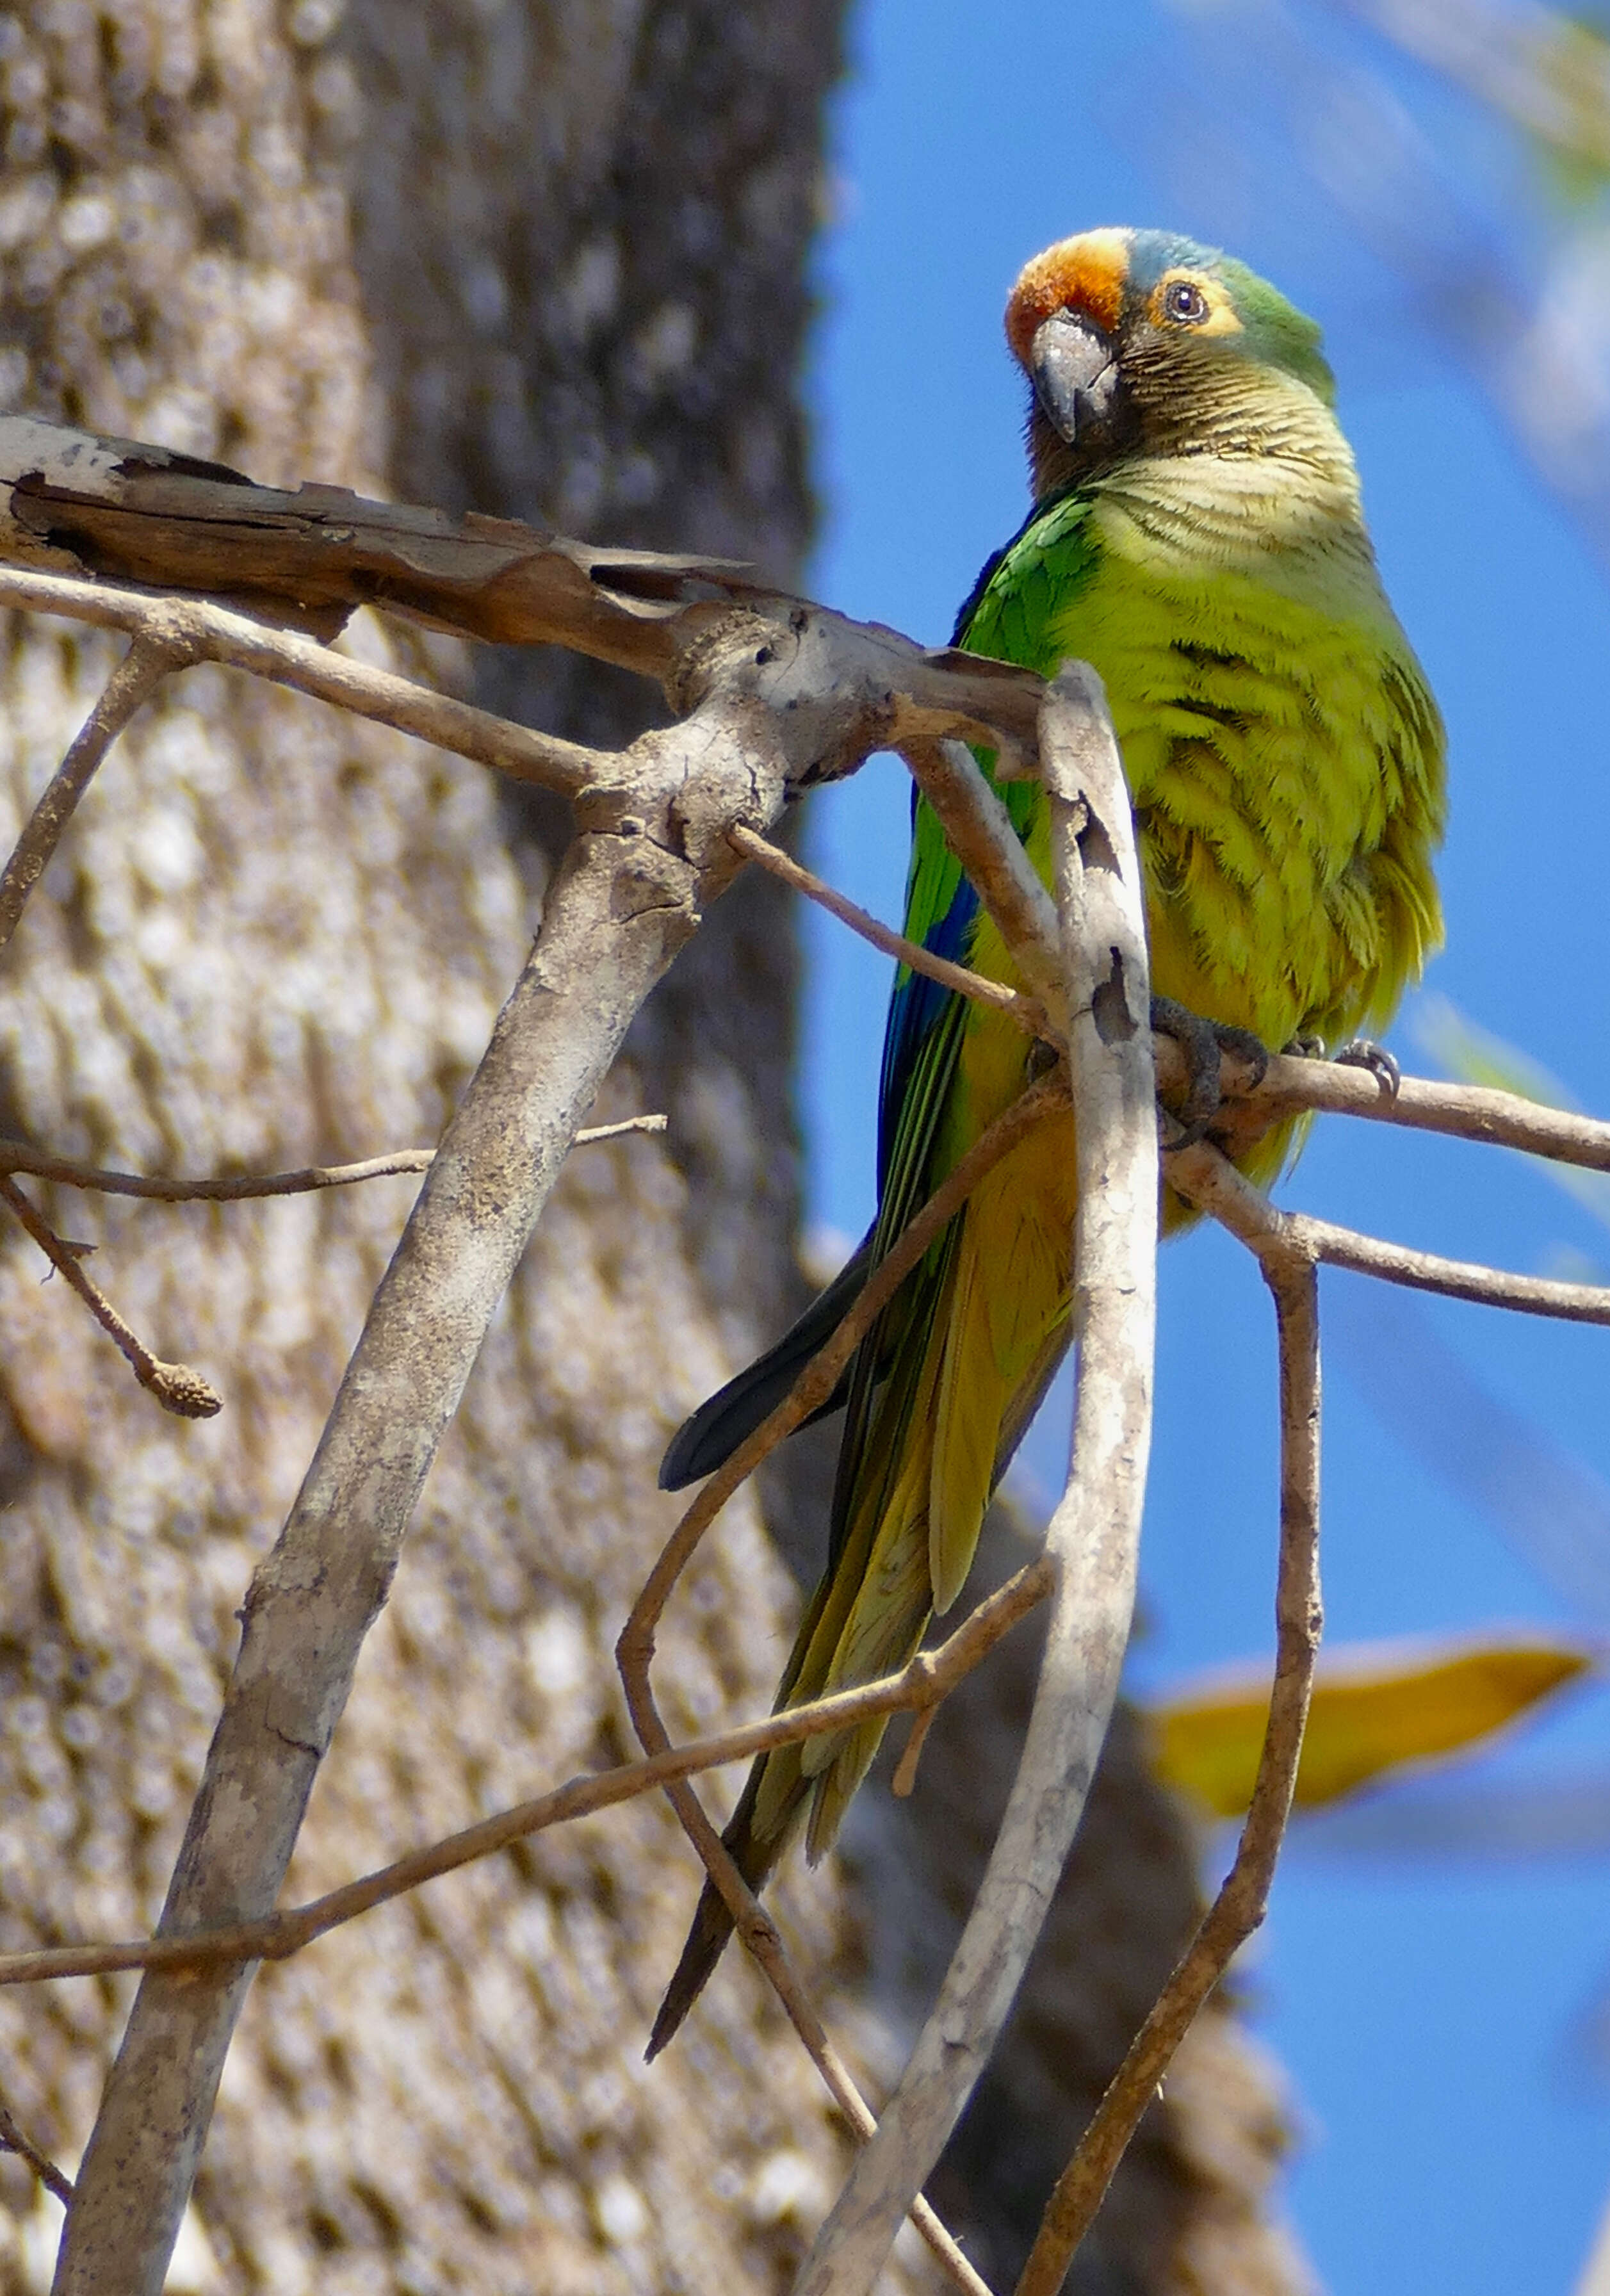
[715,1431]
[712,1925]
[700,1444]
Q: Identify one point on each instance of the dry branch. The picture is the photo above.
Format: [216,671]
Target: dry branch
[175,1386]
[772,707]
[245,1187]
[1243,1899]
[917,1688]
[130,685]
[909,953]
[622,905]
[777,694]
[211,631]
[120,512]
[1093,1539]
[1204,1176]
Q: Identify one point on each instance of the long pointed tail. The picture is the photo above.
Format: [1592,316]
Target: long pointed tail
[715,1431]
[712,1923]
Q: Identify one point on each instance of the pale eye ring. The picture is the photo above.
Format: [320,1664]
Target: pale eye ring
[1184,303]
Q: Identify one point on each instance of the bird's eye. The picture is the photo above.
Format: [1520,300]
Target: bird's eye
[1184,301]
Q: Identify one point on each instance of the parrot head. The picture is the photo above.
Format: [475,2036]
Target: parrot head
[1141,342]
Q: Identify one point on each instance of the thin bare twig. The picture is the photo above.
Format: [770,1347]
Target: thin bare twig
[980,834]
[13,2139]
[206,631]
[918,1686]
[1210,1181]
[130,685]
[635,1649]
[17,1156]
[175,1386]
[1463,1111]
[1458,1279]
[1094,1537]
[911,954]
[1244,1898]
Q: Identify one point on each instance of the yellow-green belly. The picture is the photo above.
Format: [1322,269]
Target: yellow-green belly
[1282,761]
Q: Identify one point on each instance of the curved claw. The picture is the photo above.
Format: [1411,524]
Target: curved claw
[1203,1042]
[1364,1053]
[1305,1048]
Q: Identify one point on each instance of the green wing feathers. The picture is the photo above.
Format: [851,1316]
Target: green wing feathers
[938,1390]
[1285,762]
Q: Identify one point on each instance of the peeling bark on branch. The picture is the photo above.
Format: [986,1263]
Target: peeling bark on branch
[115,512]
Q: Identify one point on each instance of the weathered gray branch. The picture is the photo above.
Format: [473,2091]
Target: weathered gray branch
[1095,1534]
[649,854]
[89,515]
[1243,1898]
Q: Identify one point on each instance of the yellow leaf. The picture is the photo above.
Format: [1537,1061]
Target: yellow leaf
[1376,1706]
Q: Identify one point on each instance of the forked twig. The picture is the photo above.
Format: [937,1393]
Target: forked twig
[130,685]
[929,1677]
[1243,1899]
[1211,1182]
[175,1386]
[203,630]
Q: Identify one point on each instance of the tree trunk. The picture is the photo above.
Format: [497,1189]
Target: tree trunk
[544,260]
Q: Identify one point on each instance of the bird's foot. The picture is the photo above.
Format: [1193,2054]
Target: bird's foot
[1364,1053]
[1202,1043]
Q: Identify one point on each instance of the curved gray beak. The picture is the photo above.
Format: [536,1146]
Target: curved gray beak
[1076,378]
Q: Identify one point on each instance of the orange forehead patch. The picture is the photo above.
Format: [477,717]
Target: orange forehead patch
[1088,274]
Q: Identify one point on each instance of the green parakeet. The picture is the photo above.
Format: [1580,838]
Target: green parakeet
[1197,534]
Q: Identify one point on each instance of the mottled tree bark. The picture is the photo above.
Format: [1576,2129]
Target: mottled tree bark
[544,259]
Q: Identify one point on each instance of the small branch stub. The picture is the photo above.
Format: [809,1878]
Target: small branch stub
[175,1386]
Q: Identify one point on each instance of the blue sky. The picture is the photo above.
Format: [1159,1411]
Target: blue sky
[1424,2010]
